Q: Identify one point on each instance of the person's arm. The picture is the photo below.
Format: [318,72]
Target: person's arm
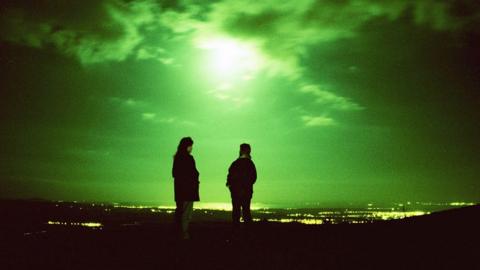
[195,172]
[230,175]
[175,168]
[254,173]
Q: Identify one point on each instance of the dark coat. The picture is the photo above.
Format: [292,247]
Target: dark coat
[185,176]
[242,174]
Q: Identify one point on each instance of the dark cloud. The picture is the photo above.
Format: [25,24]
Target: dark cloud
[92,31]
[112,30]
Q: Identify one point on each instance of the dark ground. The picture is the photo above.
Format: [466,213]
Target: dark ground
[444,240]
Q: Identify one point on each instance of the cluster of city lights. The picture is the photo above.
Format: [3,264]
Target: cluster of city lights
[81,224]
[310,216]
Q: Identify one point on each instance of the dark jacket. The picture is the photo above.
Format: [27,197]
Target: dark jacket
[185,176]
[242,174]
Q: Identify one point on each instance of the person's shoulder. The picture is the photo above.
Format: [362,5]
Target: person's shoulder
[245,161]
[236,162]
[183,157]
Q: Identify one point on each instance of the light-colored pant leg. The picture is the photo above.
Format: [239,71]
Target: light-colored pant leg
[186,215]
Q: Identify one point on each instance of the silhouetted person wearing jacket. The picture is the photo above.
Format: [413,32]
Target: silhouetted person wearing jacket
[242,174]
[186,185]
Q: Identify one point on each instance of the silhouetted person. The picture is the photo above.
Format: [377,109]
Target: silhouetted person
[186,184]
[242,174]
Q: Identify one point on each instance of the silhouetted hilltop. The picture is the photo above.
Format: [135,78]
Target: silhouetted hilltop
[463,215]
[443,240]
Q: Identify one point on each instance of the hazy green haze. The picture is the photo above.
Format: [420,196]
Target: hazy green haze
[341,101]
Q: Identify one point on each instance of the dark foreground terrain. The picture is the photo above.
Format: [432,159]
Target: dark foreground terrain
[444,240]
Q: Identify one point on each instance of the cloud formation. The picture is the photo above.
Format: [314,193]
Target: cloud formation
[154,118]
[91,31]
[112,30]
[329,99]
[286,30]
[128,102]
[283,31]
[317,121]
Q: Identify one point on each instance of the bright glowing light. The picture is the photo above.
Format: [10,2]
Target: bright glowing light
[461,204]
[231,59]
[82,224]
[302,221]
[386,215]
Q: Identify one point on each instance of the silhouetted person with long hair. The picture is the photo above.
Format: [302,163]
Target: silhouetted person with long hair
[186,184]
[242,174]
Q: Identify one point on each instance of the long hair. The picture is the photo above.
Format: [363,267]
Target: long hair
[183,145]
[245,149]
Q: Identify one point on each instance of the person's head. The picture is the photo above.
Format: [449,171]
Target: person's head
[245,150]
[185,146]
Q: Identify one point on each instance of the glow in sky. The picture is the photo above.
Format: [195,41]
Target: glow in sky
[342,101]
[231,60]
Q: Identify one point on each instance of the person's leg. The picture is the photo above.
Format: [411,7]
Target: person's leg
[178,214]
[246,214]
[235,209]
[186,216]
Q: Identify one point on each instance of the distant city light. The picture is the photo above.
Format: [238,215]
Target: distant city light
[312,216]
[461,203]
[82,224]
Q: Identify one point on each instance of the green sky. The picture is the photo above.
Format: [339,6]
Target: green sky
[342,101]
